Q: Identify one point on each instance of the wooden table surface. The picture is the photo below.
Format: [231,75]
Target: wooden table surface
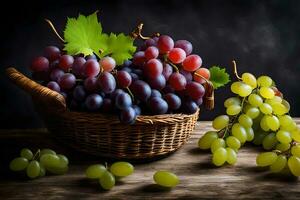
[199,179]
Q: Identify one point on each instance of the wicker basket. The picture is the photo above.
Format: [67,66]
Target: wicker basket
[104,135]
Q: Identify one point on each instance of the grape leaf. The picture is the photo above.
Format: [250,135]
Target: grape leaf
[120,47]
[218,76]
[83,35]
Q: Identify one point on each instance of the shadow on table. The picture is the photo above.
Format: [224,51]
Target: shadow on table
[153,188]
[197,151]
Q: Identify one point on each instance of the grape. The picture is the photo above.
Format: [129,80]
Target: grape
[263,123]
[283,137]
[233,142]
[216,144]
[269,141]
[286,105]
[66,62]
[165,44]
[123,101]
[158,82]
[47,151]
[18,164]
[79,67]
[173,101]
[192,63]
[266,159]
[255,100]
[199,101]
[95,171]
[107,106]
[139,58]
[53,86]
[294,165]
[115,93]
[233,110]
[232,101]
[185,45]
[264,81]
[189,107]
[167,71]
[91,57]
[231,156]
[295,134]
[33,169]
[107,180]
[124,79]
[93,102]
[39,64]
[285,121]
[244,90]
[121,169]
[49,160]
[79,93]
[141,90]
[187,75]
[42,171]
[177,55]
[158,105]
[150,42]
[90,84]
[204,74]
[128,115]
[165,178]
[206,140]
[67,81]
[266,92]
[249,79]
[272,122]
[295,150]
[245,121]
[279,109]
[52,53]
[250,134]
[107,82]
[107,64]
[126,69]
[195,90]
[239,132]
[220,122]
[26,153]
[155,93]
[53,65]
[177,81]
[153,68]
[282,147]
[64,161]
[279,164]
[219,156]
[265,108]
[56,74]
[236,87]
[137,110]
[253,112]
[151,52]
[91,68]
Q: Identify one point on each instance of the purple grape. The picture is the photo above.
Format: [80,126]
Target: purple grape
[66,62]
[168,89]
[158,82]
[67,81]
[52,53]
[127,63]
[107,106]
[116,93]
[158,106]
[141,90]
[137,110]
[139,72]
[93,102]
[155,93]
[134,77]
[123,101]
[79,93]
[173,101]
[124,79]
[127,116]
[78,67]
[107,82]
[126,69]
[150,42]
[188,75]
[90,84]
[189,107]
[167,71]
[139,58]
[89,57]
[53,65]
[199,101]
[185,45]
[56,74]
[53,86]
[195,90]
[40,64]
[91,68]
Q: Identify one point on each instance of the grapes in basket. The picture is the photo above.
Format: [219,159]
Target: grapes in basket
[106,73]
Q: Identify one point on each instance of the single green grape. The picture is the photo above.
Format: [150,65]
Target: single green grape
[50,160]
[285,121]
[255,100]
[33,169]
[264,81]
[239,132]
[206,140]
[26,153]
[121,169]
[263,124]
[232,101]
[265,108]
[219,157]
[249,79]
[95,171]
[235,87]
[266,159]
[266,92]
[275,99]
[165,178]
[283,147]
[47,151]
[231,156]
[283,137]
[270,141]
[216,144]
[64,161]
[107,180]
[18,164]
[244,90]
[286,104]
[272,122]
[295,134]
[233,110]
[220,122]
[294,165]
[233,142]
[253,112]
[279,109]
[279,164]
[295,150]
[245,120]
[291,127]
[250,134]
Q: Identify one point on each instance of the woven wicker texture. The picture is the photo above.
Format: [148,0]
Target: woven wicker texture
[104,135]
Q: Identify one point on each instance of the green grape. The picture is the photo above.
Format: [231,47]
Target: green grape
[50,160]
[285,121]
[253,112]
[121,169]
[266,159]
[218,143]
[95,171]
[269,141]
[249,79]
[272,122]
[279,109]
[207,139]
[233,110]
[220,122]
[291,127]
[250,134]
[244,90]
[107,180]
[219,156]
[235,87]
[231,156]
[295,134]
[18,164]
[286,104]
[266,92]
[279,164]
[255,100]
[47,151]
[26,153]
[295,150]
[283,137]
[64,161]
[263,124]
[245,120]
[239,132]
[232,101]
[58,170]
[42,171]
[165,178]
[265,108]
[282,147]
[264,81]
[233,142]
[33,169]
[275,99]
[294,165]
[259,137]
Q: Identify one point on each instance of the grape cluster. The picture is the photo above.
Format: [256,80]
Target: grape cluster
[36,165]
[259,114]
[163,77]
[106,176]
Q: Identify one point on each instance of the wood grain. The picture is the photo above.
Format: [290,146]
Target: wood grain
[198,178]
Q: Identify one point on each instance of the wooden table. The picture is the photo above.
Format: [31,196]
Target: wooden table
[198,177]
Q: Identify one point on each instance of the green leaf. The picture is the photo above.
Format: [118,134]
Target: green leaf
[120,47]
[83,35]
[218,76]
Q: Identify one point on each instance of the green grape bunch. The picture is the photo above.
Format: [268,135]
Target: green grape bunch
[258,114]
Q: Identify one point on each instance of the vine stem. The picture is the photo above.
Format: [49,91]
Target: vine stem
[37,154]
[235,70]
[54,30]
[131,94]
[137,32]
[174,66]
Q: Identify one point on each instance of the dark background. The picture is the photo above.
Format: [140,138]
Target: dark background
[263,36]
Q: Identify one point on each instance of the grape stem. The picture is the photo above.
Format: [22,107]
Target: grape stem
[130,93]
[137,32]
[54,30]
[37,154]
[235,70]
[174,66]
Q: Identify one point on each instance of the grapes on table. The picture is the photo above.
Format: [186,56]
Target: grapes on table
[165,178]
